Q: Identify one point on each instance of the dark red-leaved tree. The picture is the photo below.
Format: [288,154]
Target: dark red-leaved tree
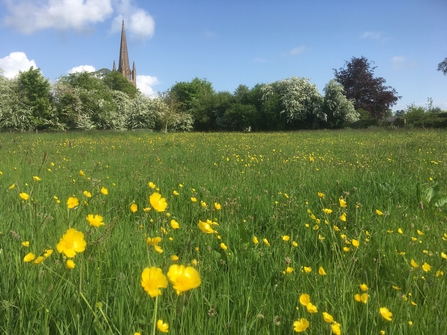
[369,93]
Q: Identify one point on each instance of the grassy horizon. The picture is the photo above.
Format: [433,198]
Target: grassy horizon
[367,207]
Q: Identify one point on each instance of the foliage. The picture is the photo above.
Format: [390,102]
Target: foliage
[443,66]
[116,81]
[337,107]
[367,91]
[142,115]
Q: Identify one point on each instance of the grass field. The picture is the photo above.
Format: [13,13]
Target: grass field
[323,232]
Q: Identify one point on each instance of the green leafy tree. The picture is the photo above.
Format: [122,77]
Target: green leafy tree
[35,92]
[337,107]
[170,114]
[299,100]
[116,81]
[367,92]
[142,114]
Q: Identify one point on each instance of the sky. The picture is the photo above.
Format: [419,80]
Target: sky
[232,42]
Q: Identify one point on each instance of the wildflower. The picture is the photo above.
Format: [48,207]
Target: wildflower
[443,255]
[335,327]
[419,232]
[70,264]
[414,264]
[386,314]
[81,173]
[400,231]
[327,317]
[36,178]
[379,212]
[157,202]
[95,220]
[327,210]
[426,267]
[355,243]
[307,269]
[29,257]
[321,271]
[25,244]
[175,224]
[12,186]
[343,217]
[301,325]
[364,287]
[87,194]
[311,308]
[217,206]
[206,228]
[133,208]
[23,195]
[361,297]
[183,278]
[158,249]
[147,209]
[267,243]
[295,244]
[162,326]
[153,241]
[223,246]
[48,253]
[151,185]
[175,193]
[203,203]
[72,202]
[304,299]
[39,259]
[174,258]
[346,249]
[321,195]
[342,203]
[71,243]
[194,262]
[152,279]
[104,191]
[255,240]
[193,199]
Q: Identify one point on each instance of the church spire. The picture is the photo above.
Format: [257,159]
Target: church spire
[123,64]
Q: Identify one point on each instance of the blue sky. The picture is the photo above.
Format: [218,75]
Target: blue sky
[231,42]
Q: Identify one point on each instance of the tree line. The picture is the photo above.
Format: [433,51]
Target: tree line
[106,100]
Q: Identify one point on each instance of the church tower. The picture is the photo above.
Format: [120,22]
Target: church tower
[123,64]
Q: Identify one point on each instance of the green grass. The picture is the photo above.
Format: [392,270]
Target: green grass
[267,186]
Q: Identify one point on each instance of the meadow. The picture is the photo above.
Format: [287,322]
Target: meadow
[317,232]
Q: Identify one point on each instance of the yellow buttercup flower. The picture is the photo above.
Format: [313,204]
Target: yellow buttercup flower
[355,243]
[327,210]
[175,224]
[343,217]
[414,264]
[158,249]
[193,199]
[72,202]
[203,203]
[266,242]
[311,308]
[223,246]
[87,194]
[307,269]
[335,327]
[379,212]
[300,325]
[286,238]
[386,314]
[12,186]
[153,241]
[36,178]
[426,267]
[151,185]
[23,195]
[361,297]
[104,191]
[304,299]
[342,203]
[255,240]
[157,202]
[162,326]
[321,195]
[443,255]
[71,243]
[152,279]
[175,193]
[95,220]
[321,271]
[327,317]
[81,173]
[29,257]
[183,278]
[39,259]
[133,208]
[70,264]
[217,206]
[25,244]
[206,228]
[174,258]
[364,287]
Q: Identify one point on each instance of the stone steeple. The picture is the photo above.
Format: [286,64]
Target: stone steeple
[123,64]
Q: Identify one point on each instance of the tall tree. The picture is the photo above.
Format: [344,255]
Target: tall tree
[443,66]
[337,107]
[368,92]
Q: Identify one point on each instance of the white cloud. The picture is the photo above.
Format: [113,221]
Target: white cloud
[402,63]
[145,84]
[375,35]
[30,16]
[297,51]
[15,62]
[82,68]
[139,24]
